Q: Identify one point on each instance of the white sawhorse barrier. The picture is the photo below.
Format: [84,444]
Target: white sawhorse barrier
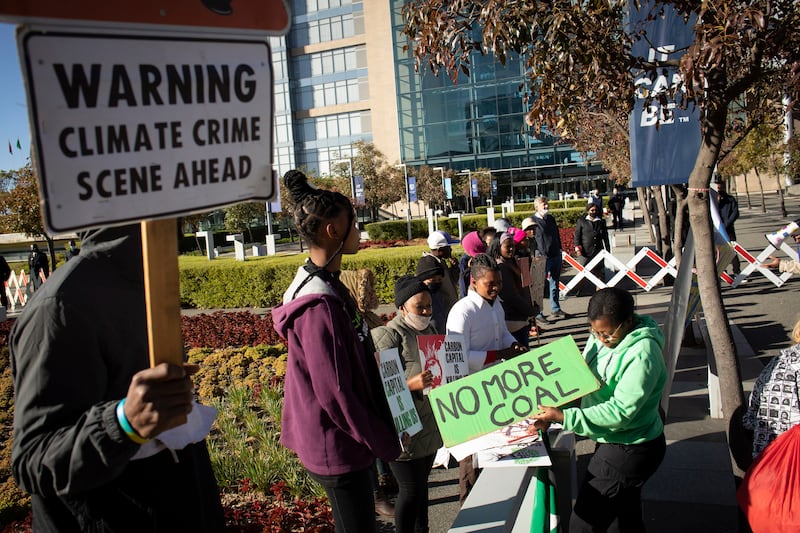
[628,270]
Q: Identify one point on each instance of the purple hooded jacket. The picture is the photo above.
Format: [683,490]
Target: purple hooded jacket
[335,415]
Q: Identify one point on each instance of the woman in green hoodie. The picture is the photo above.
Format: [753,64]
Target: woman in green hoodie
[624,351]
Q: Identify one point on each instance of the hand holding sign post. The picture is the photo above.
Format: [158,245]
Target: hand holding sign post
[508,392]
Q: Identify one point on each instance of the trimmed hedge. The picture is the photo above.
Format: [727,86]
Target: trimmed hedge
[261,281]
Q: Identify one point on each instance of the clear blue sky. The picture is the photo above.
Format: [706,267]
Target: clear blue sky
[13,106]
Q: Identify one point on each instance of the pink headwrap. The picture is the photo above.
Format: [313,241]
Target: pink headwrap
[517,234]
[473,245]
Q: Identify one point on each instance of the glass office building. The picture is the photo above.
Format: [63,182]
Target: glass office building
[342,76]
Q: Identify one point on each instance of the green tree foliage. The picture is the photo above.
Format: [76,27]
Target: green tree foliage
[20,208]
[383,183]
[19,202]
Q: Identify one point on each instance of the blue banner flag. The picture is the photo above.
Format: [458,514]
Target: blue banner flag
[358,184]
[474,187]
[412,189]
[448,188]
[664,139]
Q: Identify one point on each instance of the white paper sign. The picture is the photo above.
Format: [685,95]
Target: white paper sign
[404,413]
[509,446]
[129,127]
[444,356]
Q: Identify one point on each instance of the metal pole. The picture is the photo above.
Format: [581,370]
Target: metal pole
[408,199]
[408,202]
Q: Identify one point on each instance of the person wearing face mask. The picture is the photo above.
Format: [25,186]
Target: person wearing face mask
[516,304]
[431,273]
[591,236]
[624,352]
[548,243]
[411,469]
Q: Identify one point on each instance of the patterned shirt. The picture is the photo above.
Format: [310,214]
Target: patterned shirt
[775,401]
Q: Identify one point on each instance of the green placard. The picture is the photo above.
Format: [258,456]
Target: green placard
[508,392]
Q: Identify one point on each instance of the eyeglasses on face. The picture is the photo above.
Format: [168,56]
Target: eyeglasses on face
[605,337]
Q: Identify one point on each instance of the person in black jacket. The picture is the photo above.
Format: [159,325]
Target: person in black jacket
[37,265]
[94,440]
[5,273]
[728,213]
[548,244]
[591,236]
[616,204]
[517,305]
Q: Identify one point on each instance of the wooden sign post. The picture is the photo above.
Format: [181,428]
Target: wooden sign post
[162,291]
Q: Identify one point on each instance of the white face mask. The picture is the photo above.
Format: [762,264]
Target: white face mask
[544,211]
[418,322]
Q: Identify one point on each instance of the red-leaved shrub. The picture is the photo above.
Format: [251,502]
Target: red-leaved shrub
[223,329]
[279,514]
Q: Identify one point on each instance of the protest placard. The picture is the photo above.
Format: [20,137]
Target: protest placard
[404,414]
[444,356]
[508,392]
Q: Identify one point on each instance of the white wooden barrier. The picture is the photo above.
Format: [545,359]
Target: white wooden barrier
[628,270]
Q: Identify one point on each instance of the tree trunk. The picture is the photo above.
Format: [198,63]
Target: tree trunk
[761,191]
[722,345]
[665,246]
[641,192]
[680,221]
[747,192]
[775,171]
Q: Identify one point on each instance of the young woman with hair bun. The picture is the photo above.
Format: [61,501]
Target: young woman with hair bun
[335,415]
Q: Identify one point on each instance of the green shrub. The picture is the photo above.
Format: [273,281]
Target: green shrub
[261,281]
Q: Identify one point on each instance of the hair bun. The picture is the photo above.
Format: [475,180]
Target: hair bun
[298,185]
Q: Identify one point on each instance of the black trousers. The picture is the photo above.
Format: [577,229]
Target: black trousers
[411,507]
[610,497]
[351,499]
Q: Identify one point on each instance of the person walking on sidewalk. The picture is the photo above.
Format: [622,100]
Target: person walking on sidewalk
[591,237]
[548,243]
[413,300]
[335,413]
[624,352]
[616,204]
[38,265]
[728,214]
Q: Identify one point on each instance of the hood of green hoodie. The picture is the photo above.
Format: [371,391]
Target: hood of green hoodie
[643,327]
